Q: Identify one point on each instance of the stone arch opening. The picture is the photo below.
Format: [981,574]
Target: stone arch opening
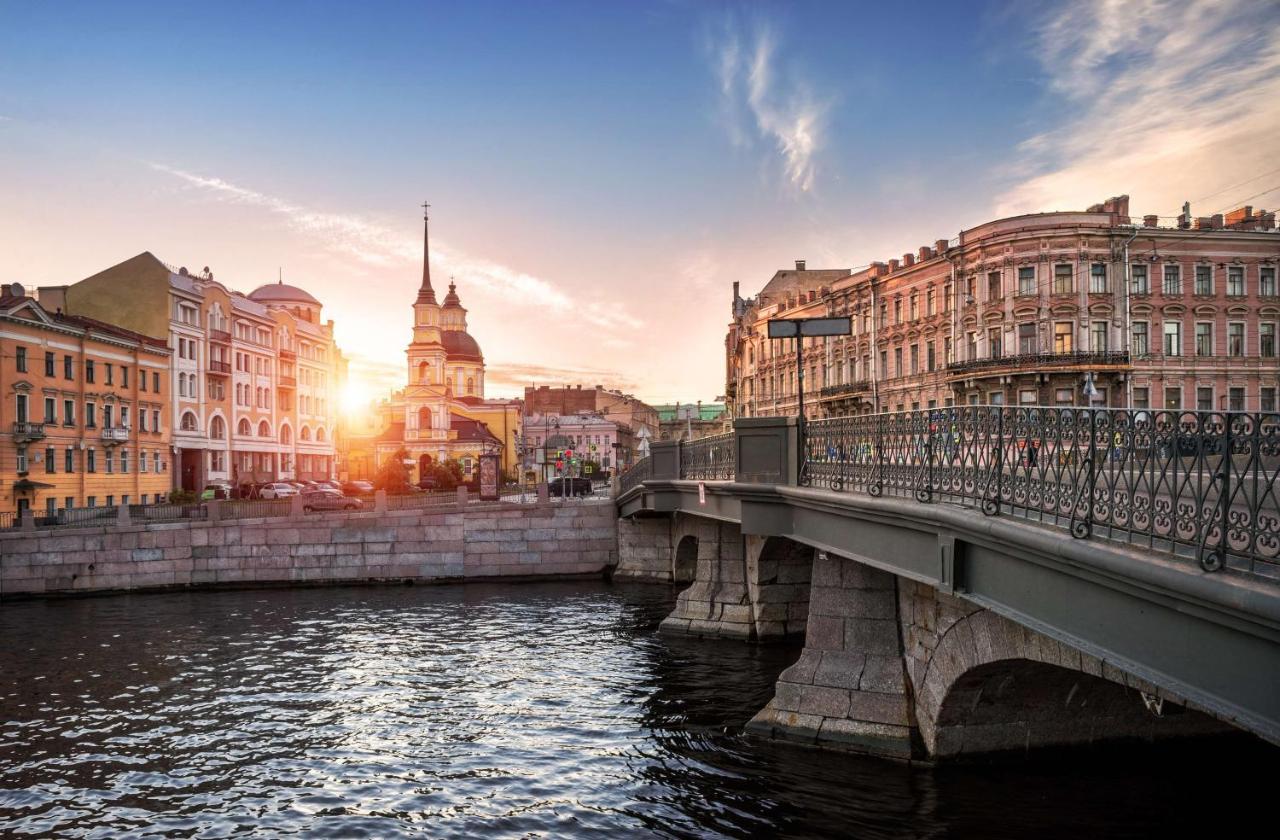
[684,562]
[779,572]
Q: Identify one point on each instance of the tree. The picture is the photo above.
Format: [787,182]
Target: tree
[447,475]
[393,475]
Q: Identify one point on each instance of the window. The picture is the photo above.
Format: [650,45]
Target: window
[91,501]
[217,461]
[109,461]
[1141,338]
[189,422]
[22,460]
[1141,397]
[1173,338]
[69,463]
[1235,281]
[1063,333]
[1267,281]
[48,367]
[90,416]
[88,370]
[142,420]
[1027,280]
[50,410]
[929,308]
[67,370]
[897,310]
[91,460]
[110,372]
[995,398]
[897,361]
[915,365]
[1235,339]
[1204,339]
[1027,396]
[994,290]
[994,343]
[1138,283]
[50,506]
[946,298]
[1204,280]
[1173,279]
[1062,280]
[1235,399]
[915,307]
[242,428]
[50,460]
[1172,397]
[70,502]
[108,419]
[1267,399]
[20,359]
[155,420]
[142,461]
[1026,339]
[1204,399]
[1098,278]
[124,377]
[155,382]
[1098,336]
[124,460]
[142,380]
[1267,340]
[930,357]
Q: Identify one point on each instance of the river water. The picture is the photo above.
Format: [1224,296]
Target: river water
[552,710]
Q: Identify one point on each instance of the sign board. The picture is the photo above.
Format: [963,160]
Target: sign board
[702,493]
[791,328]
[489,478]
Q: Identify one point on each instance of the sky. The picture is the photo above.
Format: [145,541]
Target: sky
[601,173]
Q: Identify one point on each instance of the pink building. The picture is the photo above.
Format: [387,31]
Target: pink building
[591,436]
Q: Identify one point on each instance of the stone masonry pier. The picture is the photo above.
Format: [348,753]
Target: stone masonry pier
[476,542]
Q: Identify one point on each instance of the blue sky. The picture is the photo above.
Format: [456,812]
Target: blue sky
[600,172]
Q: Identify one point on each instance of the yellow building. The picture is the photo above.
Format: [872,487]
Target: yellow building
[441,414]
[84,411]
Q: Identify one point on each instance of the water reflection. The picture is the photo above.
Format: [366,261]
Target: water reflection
[505,710]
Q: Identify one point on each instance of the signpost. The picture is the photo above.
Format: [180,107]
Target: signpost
[800,329]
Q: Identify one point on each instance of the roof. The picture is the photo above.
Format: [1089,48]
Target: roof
[110,329]
[282,293]
[461,346]
[451,300]
[680,411]
[393,432]
[469,429]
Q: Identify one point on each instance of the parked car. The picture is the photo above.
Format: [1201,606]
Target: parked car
[428,483]
[216,490]
[328,499]
[569,486]
[359,487]
[277,490]
[330,484]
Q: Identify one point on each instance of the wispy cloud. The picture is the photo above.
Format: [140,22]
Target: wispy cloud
[511,376]
[377,245]
[1164,99]
[757,101]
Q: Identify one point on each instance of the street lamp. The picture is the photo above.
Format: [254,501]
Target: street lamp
[799,329]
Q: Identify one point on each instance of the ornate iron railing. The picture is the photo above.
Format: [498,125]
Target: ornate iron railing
[1193,484]
[640,470]
[710,458]
[1038,361]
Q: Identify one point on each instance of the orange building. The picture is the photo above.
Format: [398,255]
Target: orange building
[84,411]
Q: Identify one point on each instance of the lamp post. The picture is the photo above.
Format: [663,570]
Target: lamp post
[800,329]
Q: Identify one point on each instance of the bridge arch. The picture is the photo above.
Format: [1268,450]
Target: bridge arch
[684,560]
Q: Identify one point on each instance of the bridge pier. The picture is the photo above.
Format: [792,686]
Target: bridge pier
[709,555]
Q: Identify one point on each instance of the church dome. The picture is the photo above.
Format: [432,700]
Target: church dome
[451,300]
[282,293]
[460,346]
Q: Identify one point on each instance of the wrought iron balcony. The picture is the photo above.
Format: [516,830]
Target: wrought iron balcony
[288,355]
[220,335]
[23,432]
[1031,362]
[848,389]
[219,367]
[112,435]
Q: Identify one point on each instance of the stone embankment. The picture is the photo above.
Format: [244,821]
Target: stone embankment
[476,542]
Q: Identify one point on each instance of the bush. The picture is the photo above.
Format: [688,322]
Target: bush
[393,475]
[182,497]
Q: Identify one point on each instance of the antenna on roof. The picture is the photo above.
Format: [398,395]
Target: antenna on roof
[280,275]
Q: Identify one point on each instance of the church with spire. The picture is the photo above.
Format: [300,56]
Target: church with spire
[442,414]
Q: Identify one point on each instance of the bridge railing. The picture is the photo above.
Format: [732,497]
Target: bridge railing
[638,473]
[1193,484]
[712,458]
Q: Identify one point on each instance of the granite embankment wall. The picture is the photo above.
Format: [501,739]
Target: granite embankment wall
[479,541]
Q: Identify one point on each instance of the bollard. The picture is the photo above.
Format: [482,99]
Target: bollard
[295,507]
[122,516]
[28,519]
[213,510]
[462,495]
[380,501]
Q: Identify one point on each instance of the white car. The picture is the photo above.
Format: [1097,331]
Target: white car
[278,490]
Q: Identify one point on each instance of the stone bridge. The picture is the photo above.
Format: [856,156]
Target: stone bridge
[931,629]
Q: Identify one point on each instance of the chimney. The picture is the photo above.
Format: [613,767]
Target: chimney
[908,260]
[925,253]
[736,296]
[1240,215]
[1217,221]
[1150,221]
[1204,223]
[799,265]
[940,247]
[878,269]
[893,266]
[1266,221]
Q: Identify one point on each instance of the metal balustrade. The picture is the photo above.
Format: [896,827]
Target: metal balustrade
[711,458]
[1039,361]
[1192,484]
[639,472]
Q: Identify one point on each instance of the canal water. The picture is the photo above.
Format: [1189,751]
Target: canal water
[531,710]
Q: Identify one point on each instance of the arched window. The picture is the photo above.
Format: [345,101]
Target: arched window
[189,422]
[471,385]
[286,434]
[424,418]
[217,428]
[320,435]
[305,434]
[264,429]
[242,428]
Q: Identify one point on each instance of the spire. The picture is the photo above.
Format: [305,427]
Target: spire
[426,294]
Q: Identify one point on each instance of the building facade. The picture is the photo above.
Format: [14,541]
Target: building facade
[253,380]
[638,417]
[84,411]
[441,414]
[596,442]
[691,421]
[1065,308]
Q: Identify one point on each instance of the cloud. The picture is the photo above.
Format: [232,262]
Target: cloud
[379,246]
[781,111]
[1163,99]
[516,375]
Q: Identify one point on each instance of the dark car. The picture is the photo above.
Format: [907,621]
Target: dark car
[359,487]
[328,499]
[428,483]
[569,487]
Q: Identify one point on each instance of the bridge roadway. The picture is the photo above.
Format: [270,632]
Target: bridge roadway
[931,629]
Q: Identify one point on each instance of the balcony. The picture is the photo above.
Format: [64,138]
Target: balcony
[24,432]
[287,381]
[288,355]
[111,435]
[220,335]
[1033,362]
[848,389]
[219,367]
